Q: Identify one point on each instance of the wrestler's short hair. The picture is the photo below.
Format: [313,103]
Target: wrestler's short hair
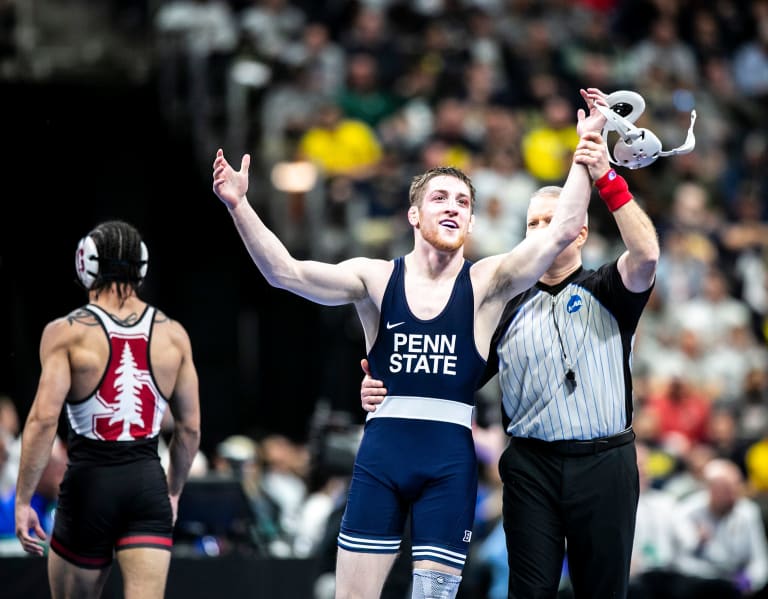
[419,183]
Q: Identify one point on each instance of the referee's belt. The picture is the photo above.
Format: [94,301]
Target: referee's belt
[574,447]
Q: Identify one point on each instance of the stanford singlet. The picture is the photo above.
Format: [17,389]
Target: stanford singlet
[120,420]
[114,494]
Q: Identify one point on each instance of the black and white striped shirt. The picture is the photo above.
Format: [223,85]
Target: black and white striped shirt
[586,325]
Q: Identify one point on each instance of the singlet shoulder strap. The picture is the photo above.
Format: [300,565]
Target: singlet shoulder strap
[111,324]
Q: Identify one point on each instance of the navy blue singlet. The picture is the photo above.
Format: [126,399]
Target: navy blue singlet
[417,451]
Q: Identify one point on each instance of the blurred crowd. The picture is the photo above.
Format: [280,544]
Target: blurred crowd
[340,103]
[373,92]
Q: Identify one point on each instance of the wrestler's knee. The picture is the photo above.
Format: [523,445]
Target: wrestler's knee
[432,584]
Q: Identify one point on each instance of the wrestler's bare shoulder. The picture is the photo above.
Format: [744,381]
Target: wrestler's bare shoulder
[370,268]
[165,325]
[73,328]
[79,317]
[374,272]
[77,320]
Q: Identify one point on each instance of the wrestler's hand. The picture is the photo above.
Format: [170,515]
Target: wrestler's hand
[26,520]
[593,153]
[228,184]
[594,121]
[372,391]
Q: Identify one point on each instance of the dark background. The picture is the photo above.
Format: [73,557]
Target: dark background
[75,153]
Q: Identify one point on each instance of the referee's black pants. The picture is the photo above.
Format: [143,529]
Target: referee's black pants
[583,504]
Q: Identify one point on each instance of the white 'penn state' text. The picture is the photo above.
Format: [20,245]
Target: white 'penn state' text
[428,354]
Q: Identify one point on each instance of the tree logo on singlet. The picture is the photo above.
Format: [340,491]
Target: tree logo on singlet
[128,385]
[574,304]
[126,392]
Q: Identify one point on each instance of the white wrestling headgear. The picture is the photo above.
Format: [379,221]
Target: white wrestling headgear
[636,147]
[87,261]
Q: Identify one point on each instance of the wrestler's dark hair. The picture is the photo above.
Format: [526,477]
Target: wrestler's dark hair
[119,247]
[419,183]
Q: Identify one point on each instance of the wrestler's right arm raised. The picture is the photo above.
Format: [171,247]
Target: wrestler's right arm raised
[328,284]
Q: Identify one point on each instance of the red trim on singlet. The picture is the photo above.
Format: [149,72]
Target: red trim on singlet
[145,540]
[90,561]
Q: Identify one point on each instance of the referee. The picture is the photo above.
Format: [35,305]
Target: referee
[562,351]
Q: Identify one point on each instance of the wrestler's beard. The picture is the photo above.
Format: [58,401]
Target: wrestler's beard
[431,235]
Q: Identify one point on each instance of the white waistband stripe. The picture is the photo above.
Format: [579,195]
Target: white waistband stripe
[424,408]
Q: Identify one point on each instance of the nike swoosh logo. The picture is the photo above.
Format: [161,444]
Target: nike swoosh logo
[393,325]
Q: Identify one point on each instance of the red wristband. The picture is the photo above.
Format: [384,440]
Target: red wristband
[613,190]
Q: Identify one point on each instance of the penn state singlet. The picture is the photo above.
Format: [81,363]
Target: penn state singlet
[417,454]
[431,368]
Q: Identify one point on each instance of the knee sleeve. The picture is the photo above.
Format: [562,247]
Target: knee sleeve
[431,584]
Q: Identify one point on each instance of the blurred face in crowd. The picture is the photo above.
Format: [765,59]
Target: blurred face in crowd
[724,482]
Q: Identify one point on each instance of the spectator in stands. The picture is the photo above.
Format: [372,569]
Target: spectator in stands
[362,96]
[653,548]
[722,548]
[7,490]
[195,37]
[45,497]
[503,188]
[237,456]
[689,476]
[547,146]
[713,313]
[753,405]
[270,26]
[369,33]
[339,145]
[750,61]
[9,433]
[682,412]
[663,53]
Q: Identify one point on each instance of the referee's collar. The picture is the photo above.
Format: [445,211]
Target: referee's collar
[558,287]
